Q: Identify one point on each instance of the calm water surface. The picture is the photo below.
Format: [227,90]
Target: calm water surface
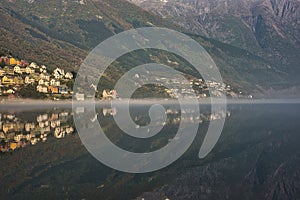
[256,157]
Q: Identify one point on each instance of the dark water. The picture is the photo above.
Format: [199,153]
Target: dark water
[257,156]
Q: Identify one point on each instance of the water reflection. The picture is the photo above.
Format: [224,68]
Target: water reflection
[257,154]
[19,129]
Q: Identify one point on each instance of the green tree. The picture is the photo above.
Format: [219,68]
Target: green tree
[2,64]
[30,91]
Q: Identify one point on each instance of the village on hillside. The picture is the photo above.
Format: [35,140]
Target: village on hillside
[21,79]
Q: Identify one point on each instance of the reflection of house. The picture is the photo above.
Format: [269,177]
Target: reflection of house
[16,126]
[109,111]
[55,123]
[59,133]
[33,141]
[41,118]
[14,134]
[69,130]
[29,136]
[2,135]
[13,145]
[18,137]
[63,116]
[41,124]
[29,127]
[54,116]
[47,129]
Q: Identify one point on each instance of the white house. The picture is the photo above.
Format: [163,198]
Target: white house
[29,70]
[69,75]
[79,97]
[33,65]
[45,76]
[42,89]
[17,69]
[54,82]
[29,80]
[58,73]
[41,82]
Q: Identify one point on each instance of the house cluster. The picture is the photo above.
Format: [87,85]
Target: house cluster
[109,94]
[16,133]
[192,85]
[15,74]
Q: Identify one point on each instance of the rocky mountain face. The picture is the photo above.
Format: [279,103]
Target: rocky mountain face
[269,28]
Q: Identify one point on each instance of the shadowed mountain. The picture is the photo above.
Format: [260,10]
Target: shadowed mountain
[268,28]
[61,33]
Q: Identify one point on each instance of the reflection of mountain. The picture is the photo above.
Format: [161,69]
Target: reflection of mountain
[257,157]
[253,160]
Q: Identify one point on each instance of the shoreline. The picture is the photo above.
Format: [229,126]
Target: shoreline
[206,101]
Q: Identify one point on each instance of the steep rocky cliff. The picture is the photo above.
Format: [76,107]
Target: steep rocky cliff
[270,28]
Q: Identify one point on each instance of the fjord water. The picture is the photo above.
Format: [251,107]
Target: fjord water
[256,157]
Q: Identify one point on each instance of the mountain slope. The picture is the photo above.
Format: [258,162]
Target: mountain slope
[64,30]
[61,33]
[268,28]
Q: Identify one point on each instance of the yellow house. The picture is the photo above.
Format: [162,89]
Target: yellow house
[18,80]
[13,145]
[12,61]
[5,129]
[53,89]
[8,80]
[8,126]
